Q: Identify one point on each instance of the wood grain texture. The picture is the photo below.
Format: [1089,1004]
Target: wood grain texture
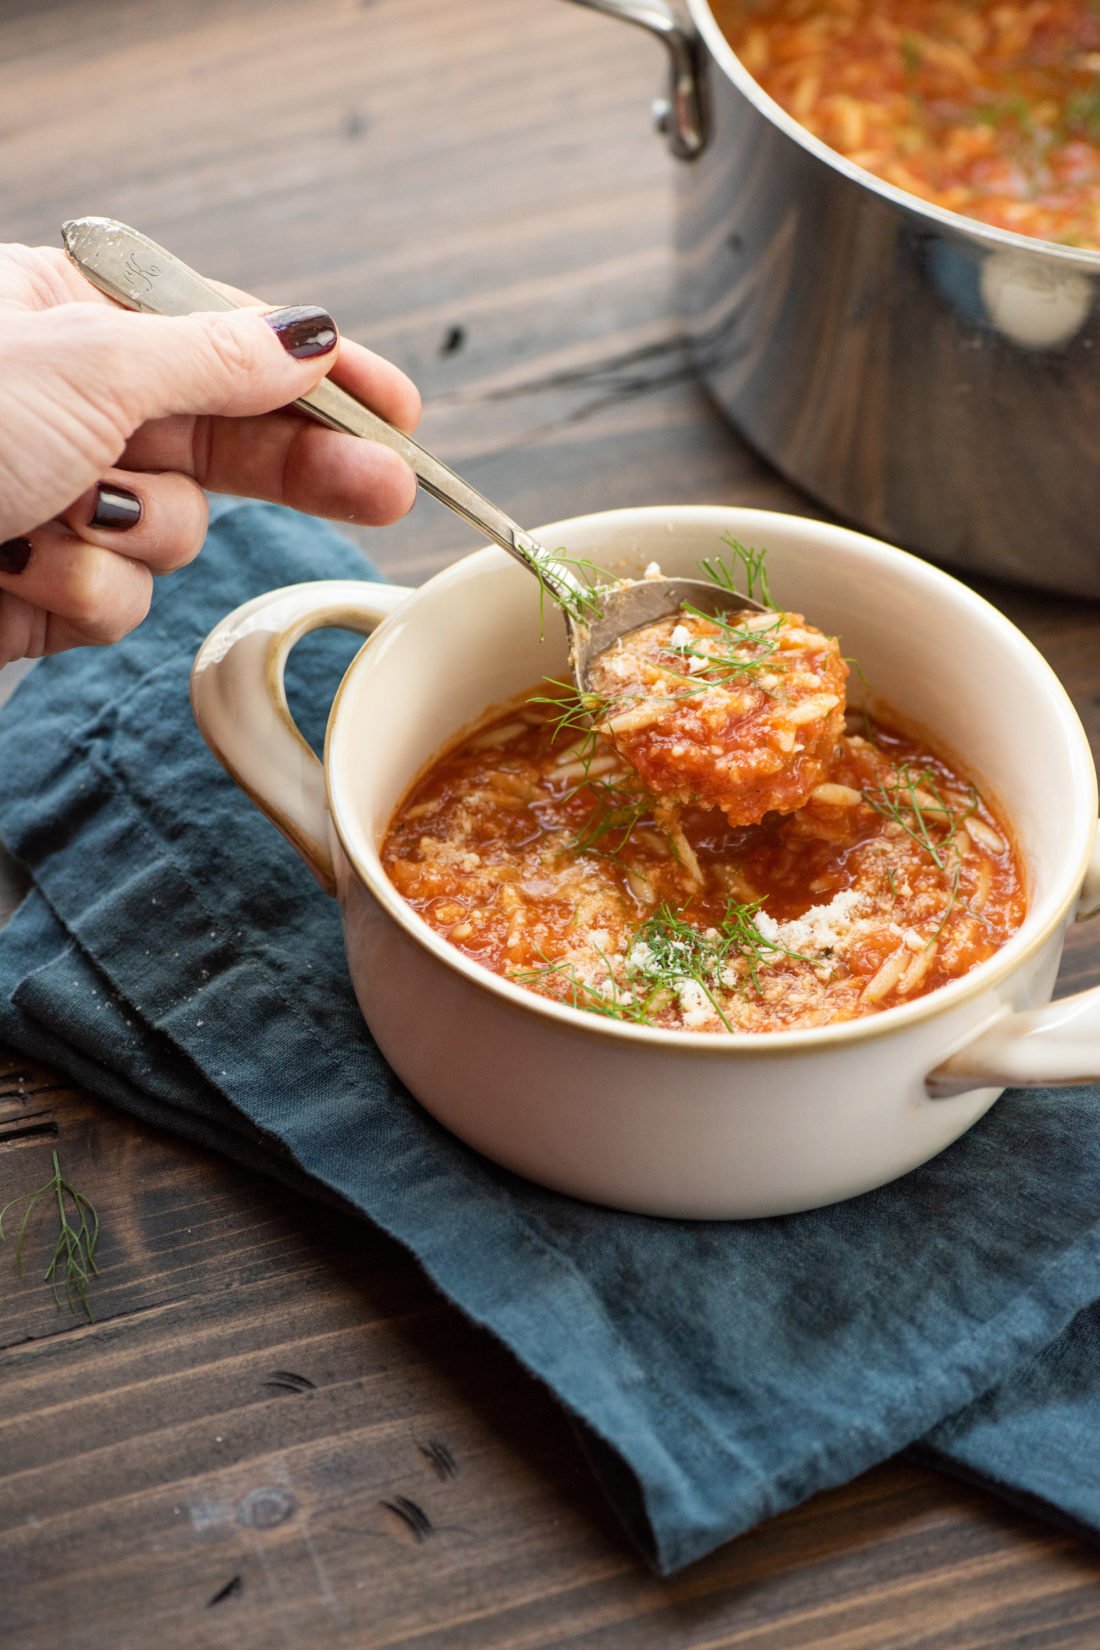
[276,1433]
[273,1401]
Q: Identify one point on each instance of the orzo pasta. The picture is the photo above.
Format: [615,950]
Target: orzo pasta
[532,847]
[739,712]
[991,110]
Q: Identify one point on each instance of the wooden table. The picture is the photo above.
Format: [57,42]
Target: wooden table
[225,1456]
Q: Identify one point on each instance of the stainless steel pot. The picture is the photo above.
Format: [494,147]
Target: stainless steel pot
[931,378]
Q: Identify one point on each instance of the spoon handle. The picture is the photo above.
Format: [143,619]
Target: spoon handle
[138,274]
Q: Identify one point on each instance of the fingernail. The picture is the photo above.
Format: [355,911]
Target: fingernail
[304,331]
[14,555]
[116,508]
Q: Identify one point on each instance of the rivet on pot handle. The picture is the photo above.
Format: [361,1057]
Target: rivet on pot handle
[681,119]
[239,699]
[1057,1046]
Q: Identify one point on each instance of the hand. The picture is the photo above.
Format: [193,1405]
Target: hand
[111,425]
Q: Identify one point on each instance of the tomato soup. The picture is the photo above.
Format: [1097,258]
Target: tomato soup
[990,110]
[533,848]
[739,711]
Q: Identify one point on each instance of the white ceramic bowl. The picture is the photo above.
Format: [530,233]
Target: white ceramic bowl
[657,1121]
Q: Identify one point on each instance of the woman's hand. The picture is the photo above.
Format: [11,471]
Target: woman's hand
[111,425]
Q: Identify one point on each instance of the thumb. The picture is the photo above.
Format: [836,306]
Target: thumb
[232,363]
[138,367]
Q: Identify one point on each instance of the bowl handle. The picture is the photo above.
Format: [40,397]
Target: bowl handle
[1053,1047]
[1057,1046]
[239,699]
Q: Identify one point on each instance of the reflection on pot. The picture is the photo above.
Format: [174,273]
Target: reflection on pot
[934,379]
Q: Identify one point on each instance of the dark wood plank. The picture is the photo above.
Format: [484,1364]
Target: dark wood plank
[473,190]
[263,1377]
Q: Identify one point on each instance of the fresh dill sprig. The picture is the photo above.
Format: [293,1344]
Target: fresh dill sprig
[900,801]
[662,954]
[616,809]
[72,1264]
[1006,111]
[577,710]
[725,571]
[581,602]
[581,994]
[748,942]
[677,950]
[673,951]
[616,812]
[1082,113]
[720,668]
[735,637]
[952,896]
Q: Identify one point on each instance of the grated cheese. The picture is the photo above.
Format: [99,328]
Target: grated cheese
[821,928]
[695,1005]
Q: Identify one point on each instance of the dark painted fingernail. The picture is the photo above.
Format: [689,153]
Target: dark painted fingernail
[14,555]
[116,508]
[303,331]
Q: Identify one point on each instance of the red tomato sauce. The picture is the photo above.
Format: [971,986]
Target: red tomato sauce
[990,110]
[740,713]
[532,847]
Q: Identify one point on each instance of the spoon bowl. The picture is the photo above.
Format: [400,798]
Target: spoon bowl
[632,606]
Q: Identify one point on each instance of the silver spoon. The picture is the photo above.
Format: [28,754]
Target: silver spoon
[138,274]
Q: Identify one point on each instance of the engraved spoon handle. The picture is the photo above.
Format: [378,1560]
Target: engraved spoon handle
[138,274]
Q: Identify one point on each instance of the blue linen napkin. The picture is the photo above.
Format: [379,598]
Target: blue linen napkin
[175,956]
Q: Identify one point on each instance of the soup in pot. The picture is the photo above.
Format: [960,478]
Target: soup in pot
[990,110]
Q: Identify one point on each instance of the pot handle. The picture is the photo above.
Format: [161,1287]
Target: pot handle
[1057,1046]
[239,699]
[679,116]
